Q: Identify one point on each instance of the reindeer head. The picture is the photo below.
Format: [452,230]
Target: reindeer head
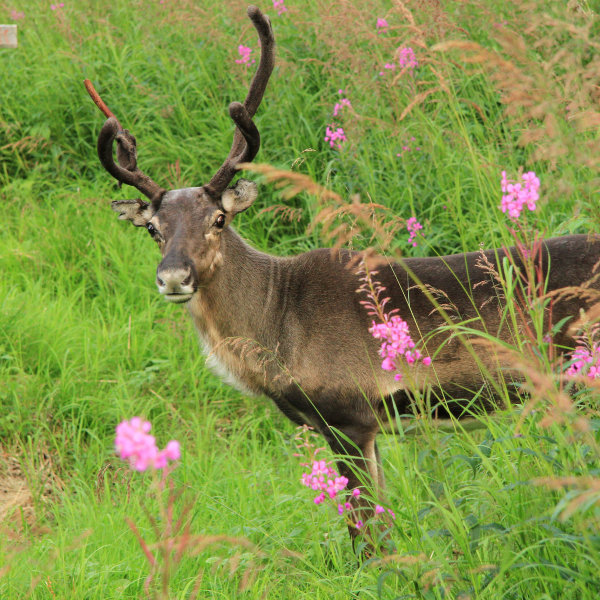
[187,224]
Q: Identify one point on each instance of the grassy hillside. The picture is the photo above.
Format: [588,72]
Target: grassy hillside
[85,340]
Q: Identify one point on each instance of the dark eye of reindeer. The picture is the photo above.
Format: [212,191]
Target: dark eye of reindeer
[151,229]
[220,222]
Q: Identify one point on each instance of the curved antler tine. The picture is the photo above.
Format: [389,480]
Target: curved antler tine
[110,131]
[95,96]
[246,140]
[262,25]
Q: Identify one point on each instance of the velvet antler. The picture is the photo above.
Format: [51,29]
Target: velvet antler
[246,140]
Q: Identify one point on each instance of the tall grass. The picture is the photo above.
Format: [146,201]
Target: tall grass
[85,341]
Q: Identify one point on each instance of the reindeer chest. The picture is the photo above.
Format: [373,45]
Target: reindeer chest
[233,358]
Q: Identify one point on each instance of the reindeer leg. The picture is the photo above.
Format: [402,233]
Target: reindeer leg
[359,462]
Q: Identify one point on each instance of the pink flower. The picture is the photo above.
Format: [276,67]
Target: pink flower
[355,492]
[516,195]
[134,444]
[335,136]
[413,227]
[16,15]
[359,524]
[244,52]
[382,26]
[379,509]
[324,479]
[407,148]
[339,105]
[280,6]
[57,6]
[407,58]
[396,342]
[585,361]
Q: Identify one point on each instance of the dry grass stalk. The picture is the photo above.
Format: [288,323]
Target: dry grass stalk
[552,102]
[341,221]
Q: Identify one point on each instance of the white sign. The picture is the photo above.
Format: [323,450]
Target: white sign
[8,36]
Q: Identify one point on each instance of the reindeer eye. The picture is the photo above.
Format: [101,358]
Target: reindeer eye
[220,222]
[151,229]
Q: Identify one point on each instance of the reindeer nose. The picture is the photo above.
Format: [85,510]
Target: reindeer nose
[176,284]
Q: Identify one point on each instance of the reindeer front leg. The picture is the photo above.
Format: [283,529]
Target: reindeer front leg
[358,461]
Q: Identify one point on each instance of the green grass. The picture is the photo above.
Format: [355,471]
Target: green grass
[85,341]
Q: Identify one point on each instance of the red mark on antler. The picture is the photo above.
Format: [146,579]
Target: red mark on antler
[99,102]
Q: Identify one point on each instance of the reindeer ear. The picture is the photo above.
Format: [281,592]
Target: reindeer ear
[239,197]
[137,211]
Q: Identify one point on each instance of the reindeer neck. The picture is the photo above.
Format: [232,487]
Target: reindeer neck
[240,296]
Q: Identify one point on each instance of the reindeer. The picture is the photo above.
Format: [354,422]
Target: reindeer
[317,360]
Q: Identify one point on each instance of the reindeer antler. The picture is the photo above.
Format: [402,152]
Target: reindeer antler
[126,171]
[246,140]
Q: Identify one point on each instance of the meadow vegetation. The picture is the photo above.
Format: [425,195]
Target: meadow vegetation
[508,511]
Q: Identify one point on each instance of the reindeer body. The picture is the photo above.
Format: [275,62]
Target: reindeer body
[294,328]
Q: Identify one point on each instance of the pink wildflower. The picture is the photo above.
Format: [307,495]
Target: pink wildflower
[335,136]
[16,15]
[320,498]
[396,342]
[413,227]
[279,6]
[355,492]
[359,524]
[516,195]
[586,361]
[134,443]
[324,479]
[407,58]
[57,6]
[339,105]
[244,52]
[379,509]
[382,26]
[407,148]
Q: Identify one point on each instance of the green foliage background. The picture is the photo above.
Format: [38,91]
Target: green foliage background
[85,341]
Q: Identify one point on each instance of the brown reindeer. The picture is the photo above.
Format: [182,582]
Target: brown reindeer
[317,360]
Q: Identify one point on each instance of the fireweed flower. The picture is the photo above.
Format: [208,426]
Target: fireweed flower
[413,227]
[586,361]
[134,444]
[57,6]
[335,136]
[279,6]
[396,343]
[406,59]
[382,26]
[339,105]
[244,59]
[16,15]
[407,148]
[324,479]
[518,195]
